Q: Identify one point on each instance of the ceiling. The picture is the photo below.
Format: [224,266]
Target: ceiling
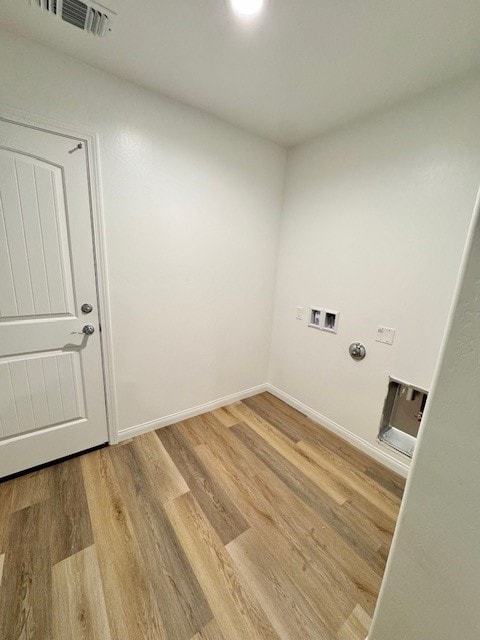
[303,67]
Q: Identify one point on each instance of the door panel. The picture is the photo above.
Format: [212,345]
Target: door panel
[33,239]
[51,379]
[40,391]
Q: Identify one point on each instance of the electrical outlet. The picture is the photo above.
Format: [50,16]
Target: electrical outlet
[300,313]
[385,335]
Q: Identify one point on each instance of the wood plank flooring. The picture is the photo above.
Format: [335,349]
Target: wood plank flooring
[249,522]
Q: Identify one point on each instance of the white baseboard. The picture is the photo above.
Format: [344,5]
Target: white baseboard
[374,452]
[381,456]
[138,429]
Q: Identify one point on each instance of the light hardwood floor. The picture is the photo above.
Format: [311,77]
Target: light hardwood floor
[249,522]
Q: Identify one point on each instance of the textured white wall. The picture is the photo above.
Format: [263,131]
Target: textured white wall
[374,224]
[431,588]
[192,212]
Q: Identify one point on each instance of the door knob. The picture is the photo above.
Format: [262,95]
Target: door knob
[88,329]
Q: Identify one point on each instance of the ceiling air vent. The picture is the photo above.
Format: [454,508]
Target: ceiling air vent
[88,16]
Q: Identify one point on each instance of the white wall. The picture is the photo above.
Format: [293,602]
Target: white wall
[374,224]
[192,212]
[431,588]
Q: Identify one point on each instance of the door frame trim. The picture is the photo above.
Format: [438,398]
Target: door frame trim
[92,147]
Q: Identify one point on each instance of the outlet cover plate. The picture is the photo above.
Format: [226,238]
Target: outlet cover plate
[385,335]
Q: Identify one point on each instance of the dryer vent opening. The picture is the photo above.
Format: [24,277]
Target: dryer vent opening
[402,414]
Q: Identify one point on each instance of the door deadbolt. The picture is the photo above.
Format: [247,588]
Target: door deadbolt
[87,308]
[357,351]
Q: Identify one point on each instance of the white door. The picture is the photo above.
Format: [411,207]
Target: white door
[51,383]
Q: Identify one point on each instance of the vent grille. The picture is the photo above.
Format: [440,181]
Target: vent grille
[75,12]
[88,16]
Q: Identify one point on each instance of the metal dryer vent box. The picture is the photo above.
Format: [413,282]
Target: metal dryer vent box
[402,414]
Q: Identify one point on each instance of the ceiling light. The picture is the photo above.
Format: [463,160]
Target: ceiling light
[247,7]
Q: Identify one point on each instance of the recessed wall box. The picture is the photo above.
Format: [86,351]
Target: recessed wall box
[315,317]
[330,321]
[402,415]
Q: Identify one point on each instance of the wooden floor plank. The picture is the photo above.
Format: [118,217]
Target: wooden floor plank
[345,454]
[162,470]
[356,627]
[131,601]
[180,599]
[287,608]
[79,610]
[2,560]
[289,421]
[225,518]
[330,554]
[26,593]
[264,406]
[210,632]
[384,522]
[330,452]
[70,515]
[356,483]
[266,500]
[206,429]
[301,544]
[358,532]
[287,449]
[385,478]
[31,488]
[299,427]
[236,611]
[6,497]
[224,417]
